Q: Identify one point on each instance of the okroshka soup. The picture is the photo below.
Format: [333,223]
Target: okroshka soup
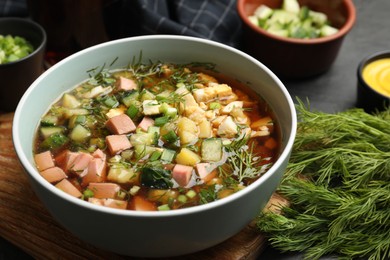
[156,136]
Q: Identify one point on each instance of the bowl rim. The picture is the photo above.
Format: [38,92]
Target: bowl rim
[365,61]
[351,10]
[32,171]
[37,26]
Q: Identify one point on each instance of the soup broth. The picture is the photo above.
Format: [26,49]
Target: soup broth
[156,136]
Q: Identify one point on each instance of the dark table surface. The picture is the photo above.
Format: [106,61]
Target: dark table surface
[330,92]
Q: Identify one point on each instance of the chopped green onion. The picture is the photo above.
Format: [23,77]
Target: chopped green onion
[163,207]
[182,198]
[191,194]
[132,111]
[160,121]
[110,102]
[155,156]
[170,137]
[88,194]
[215,105]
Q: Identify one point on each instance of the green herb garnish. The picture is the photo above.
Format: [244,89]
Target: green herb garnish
[338,184]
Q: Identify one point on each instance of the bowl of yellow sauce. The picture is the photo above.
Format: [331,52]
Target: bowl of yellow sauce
[374,82]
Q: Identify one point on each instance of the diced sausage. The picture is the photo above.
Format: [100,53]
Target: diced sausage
[44,160]
[120,124]
[117,204]
[80,164]
[141,204]
[53,174]
[126,84]
[205,171]
[145,123]
[99,154]
[112,203]
[69,161]
[182,174]
[96,171]
[117,143]
[69,188]
[104,190]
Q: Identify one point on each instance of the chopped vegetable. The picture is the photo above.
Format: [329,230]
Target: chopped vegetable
[156,178]
[155,136]
[13,48]
[293,21]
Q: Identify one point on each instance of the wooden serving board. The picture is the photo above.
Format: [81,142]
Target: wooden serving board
[25,222]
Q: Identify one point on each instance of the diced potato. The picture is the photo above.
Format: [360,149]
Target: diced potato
[187,137]
[229,107]
[186,124]
[116,111]
[187,157]
[205,129]
[195,113]
[70,101]
[227,128]
[122,175]
[75,111]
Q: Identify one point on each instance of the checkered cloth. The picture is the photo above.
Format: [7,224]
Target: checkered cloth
[211,19]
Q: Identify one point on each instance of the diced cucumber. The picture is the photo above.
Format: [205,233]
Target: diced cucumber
[263,12]
[143,138]
[47,131]
[54,141]
[49,120]
[79,134]
[291,6]
[318,17]
[141,151]
[75,111]
[154,130]
[328,30]
[151,107]
[129,98]
[168,110]
[293,21]
[253,19]
[283,17]
[77,119]
[147,95]
[168,155]
[211,149]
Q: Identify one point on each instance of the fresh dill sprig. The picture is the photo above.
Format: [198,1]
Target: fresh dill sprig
[338,186]
[243,161]
[101,75]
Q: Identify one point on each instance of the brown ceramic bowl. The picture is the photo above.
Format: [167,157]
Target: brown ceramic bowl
[17,76]
[297,58]
[369,98]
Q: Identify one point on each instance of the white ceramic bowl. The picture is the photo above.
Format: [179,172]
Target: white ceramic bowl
[154,234]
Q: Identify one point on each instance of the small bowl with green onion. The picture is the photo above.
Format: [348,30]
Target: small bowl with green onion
[22,46]
[295,38]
